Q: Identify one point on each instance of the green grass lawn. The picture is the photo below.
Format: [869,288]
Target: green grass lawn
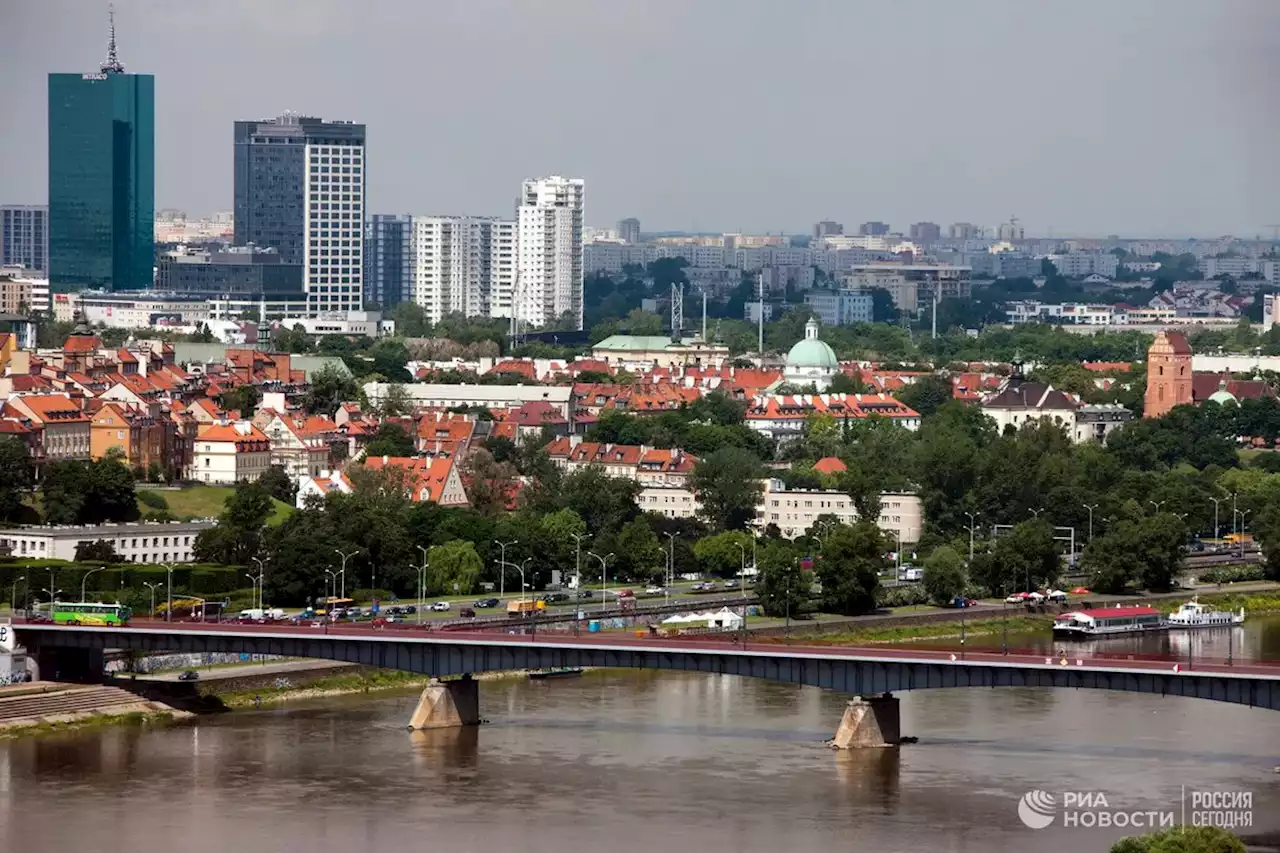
[207,502]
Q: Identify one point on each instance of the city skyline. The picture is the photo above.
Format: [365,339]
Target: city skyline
[1146,119]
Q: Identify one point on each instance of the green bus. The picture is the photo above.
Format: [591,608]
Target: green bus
[89,613]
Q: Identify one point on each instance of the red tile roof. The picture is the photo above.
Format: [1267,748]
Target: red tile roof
[830,465]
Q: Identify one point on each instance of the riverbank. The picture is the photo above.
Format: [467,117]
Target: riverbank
[91,721]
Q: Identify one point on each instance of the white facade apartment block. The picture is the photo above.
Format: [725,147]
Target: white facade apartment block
[549,250]
[462,264]
[333,235]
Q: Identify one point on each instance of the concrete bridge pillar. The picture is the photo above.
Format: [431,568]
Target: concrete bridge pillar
[447,704]
[55,663]
[869,722]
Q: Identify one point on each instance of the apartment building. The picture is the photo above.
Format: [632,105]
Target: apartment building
[549,259]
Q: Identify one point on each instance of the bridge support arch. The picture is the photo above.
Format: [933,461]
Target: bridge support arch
[869,722]
[447,704]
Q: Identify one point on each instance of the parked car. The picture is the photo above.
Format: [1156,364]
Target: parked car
[189,675]
[487,602]
[962,601]
[440,607]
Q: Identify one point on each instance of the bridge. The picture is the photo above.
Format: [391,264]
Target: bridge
[76,651]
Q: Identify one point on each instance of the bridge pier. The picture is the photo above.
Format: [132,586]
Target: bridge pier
[448,704]
[869,722]
[56,663]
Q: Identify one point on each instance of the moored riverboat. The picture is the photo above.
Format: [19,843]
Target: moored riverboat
[1108,621]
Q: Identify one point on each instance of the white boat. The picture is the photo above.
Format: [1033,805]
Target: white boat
[1109,620]
[1193,614]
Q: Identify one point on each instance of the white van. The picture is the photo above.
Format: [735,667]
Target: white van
[253,615]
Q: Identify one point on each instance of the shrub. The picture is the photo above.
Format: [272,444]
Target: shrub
[901,596]
[152,499]
[1234,574]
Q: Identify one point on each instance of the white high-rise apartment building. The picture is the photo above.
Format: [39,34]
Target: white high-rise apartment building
[549,261]
[333,233]
[461,264]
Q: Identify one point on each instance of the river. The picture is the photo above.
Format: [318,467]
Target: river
[623,761]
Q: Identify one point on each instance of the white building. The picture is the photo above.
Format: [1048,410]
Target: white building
[443,396]
[795,511]
[1082,264]
[462,264]
[231,453]
[333,232]
[549,261]
[139,309]
[137,542]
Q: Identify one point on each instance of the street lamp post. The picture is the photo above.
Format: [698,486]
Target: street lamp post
[502,564]
[168,608]
[343,574]
[85,580]
[254,595]
[577,559]
[1036,512]
[53,596]
[262,574]
[742,569]
[422,580]
[152,586]
[521,567]
[329,594]
[671,566]
[1243,513]
[1216,501]
[604,578]
[972,525]
[13,594]
[1157,504]
[1091,508]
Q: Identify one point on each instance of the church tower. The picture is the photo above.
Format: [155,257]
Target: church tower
[1168,374]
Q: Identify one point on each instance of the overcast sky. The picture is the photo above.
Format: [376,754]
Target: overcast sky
[1087,117]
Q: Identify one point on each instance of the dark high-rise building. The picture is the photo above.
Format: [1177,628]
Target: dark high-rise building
[387,259]
[629,230]
[873,229]
[243,272]
[925,233]
[299,189]
[101,178]
[24,237]
[827,228]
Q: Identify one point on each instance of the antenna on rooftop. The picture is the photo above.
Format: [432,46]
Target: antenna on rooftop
[677,312]
[113,64]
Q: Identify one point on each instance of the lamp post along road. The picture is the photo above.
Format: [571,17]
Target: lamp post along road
[85,580]
[343,574]
[13,594]
[1091,508]
[972,518]
[262,574]
[168,608]
[1216,530]
[502,564]
[671,567]
[422,580]
[152,586]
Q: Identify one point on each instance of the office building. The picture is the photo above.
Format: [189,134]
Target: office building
[463,265]
[925,233]
[841,307]
[549,264]
[243,272]
[963,231]
[827,228]
[873,229]
[24,237]
[629,231]
[299,189]
[386,259]
[101,178]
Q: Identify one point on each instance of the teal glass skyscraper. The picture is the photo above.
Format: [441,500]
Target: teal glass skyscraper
[101,178]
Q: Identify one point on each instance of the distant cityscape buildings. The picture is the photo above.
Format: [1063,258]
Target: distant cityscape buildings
[24,237]
[101,177]
[629,230]
[549,258]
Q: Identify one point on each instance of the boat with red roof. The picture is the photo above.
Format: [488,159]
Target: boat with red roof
[1105,621]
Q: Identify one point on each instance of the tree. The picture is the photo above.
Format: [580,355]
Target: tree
[395,401]
[1182,839]
[453,568]
[237,538]
[927,394]
[75,492]
[944,575]
[389,357]
[852,558]
[640,555]
[97,551]
[489,484]
[723,555]
[1146,550]
[278,485]
[15,477]
[390,440]
[728,486]
[783,586]
[844,383]
[242,398]
[330,386]
[1024,558]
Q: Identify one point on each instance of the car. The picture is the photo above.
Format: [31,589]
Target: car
[586,593]
[962,601]
[551,597]
[731,583]
[354,613]
[626,593]
[189,675]
[440,607]
[655,590]
[487,602]
[467,613]
[1017,598]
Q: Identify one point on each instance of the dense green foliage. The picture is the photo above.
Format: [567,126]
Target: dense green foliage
[1182,839]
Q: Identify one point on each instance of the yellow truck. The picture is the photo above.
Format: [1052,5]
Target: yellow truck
[525,608]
